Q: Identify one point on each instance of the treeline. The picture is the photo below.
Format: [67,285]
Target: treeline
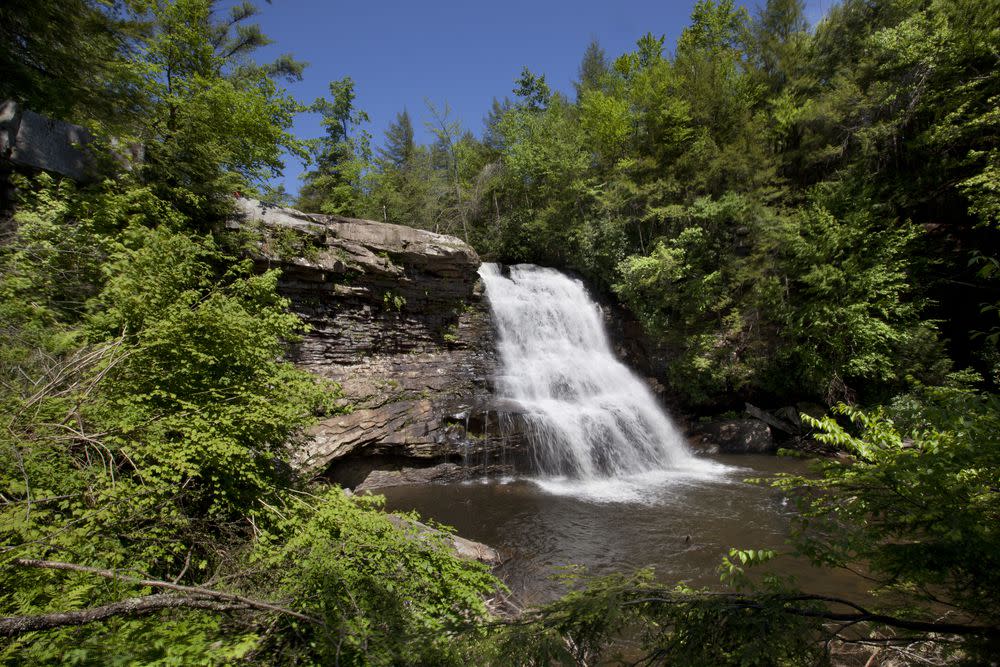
[793,212]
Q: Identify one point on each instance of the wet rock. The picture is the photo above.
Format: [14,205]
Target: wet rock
[785,420]
[406,475]
[736,436]
[462,547]
[370,472]
[790,415]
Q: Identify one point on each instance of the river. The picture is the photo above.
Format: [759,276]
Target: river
[612,485]
[681,526]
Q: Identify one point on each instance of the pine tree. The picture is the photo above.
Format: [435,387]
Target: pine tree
[779,33]
[593,69]
[399,147]
[342,157]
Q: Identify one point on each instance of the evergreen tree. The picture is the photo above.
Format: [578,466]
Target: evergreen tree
[342,157]
[532,90]
[68,59]
[399,147]
[403,179]
[779,36]
[217,123]
[593,70]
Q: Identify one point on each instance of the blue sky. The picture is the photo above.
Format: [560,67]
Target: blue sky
[462,53]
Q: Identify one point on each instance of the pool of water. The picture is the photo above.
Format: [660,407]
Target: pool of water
[681,524]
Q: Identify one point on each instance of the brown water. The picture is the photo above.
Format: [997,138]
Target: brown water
[680,524]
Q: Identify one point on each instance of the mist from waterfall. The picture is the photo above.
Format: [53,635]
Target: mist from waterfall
[591,420]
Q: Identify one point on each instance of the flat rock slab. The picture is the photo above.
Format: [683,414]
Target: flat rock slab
[406,475]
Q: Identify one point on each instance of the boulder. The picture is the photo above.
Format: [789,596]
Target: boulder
[462,547]
[32,141]
[785,420]
[381,478]
[736,436]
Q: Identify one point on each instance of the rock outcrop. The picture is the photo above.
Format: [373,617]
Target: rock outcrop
[463,548]
[397,317]
[32,142]
[735,436]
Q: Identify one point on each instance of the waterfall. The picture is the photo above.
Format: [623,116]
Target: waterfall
[589,416]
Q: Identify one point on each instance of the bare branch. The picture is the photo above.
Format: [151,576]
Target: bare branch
[12,626]
[194,591]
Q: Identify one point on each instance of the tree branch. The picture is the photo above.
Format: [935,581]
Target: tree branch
[193,591]
[860,615]
[12,626]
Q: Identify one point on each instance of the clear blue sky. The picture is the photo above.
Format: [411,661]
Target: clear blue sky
[464,53]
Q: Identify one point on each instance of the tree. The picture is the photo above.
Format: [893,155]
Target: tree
[403,179]
[778,40]
[532,90]
[399,146]
[716,25]
[218,123]
[342,157]
[69,59]
[147,413]
[594,67]
[448,133]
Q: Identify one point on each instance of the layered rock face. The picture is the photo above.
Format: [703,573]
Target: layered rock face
[36,142]
[397,317]
[32,142]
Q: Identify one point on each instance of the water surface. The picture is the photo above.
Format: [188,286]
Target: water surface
[681,523]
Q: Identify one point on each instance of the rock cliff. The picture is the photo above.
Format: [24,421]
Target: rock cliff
[396,315]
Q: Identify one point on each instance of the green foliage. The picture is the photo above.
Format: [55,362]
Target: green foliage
[594,69]
[918,502]
[852,308]
[180,83]
[787,212]
[386,592]
[403,179]
[532,90]
[399,144]
[342,156]
[147,414]
[67,58]
[633,620]
[392,301]
[145,410]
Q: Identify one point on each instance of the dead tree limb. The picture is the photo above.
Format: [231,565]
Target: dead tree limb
[12,626]
[191,591]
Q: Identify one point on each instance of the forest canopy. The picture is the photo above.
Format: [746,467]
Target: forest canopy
[791,211]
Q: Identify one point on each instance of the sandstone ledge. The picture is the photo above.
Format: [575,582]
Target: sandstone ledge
[397,317]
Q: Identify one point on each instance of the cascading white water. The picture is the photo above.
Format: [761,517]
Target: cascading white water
[591,418]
